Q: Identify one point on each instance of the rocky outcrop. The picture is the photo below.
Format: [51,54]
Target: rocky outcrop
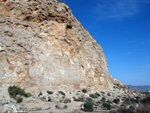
[43,45]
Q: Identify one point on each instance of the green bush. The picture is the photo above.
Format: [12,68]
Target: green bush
[57,107]
[19,99]
[117,101]
[138,98]
[89,99]
[43,98]
[102,92]
[62,93]
[40,94]
[49,92]
[14,91]
[21,92]
[84,90]
[108,94]
[97,94]
[65,107]
[108,101]
[27,95]
[93,96]
[98,102]
[79,99]
[107,106]
[88,105]
[74,98]
[103,99]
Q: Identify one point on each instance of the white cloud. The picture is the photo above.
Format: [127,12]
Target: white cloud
[117,8]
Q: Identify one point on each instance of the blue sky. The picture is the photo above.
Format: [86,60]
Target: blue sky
[122,28]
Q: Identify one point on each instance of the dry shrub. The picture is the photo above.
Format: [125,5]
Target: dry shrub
[146,100]
[143,109]
[144,105]
[67,100]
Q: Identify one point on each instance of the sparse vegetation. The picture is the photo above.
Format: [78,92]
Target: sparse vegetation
[43,98]
[15,92]
[40,94]
[102,92]
[49,92]
[99,102]
[63,97]
[80,99]
[62,93]
[108,101]
[65,107]
[49,99]
[107,106]
[74,98]
[19,99]
[146,100]
[143,107]
[93,96]
[124,110]
[27,95]
[67,100]
[88,105]
[84,90]
[138,98]
[103,99]
[128,102]
[97,94]
[57,107]
[89,99]
[116,101]
[108,94]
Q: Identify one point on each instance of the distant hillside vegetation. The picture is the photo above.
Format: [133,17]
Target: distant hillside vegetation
[140,88]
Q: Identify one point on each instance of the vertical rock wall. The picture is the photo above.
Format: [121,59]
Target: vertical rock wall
[43,45]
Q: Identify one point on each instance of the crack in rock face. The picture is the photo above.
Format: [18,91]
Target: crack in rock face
[43,45]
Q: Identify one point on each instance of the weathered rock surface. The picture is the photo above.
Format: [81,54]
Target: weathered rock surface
[42,44]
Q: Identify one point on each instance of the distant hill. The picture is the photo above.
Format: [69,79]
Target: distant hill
[140,88]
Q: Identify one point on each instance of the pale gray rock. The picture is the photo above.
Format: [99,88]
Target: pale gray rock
[43,45]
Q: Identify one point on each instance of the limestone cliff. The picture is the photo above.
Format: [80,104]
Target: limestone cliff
[42,44]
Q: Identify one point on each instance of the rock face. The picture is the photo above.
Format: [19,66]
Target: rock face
[42,44]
